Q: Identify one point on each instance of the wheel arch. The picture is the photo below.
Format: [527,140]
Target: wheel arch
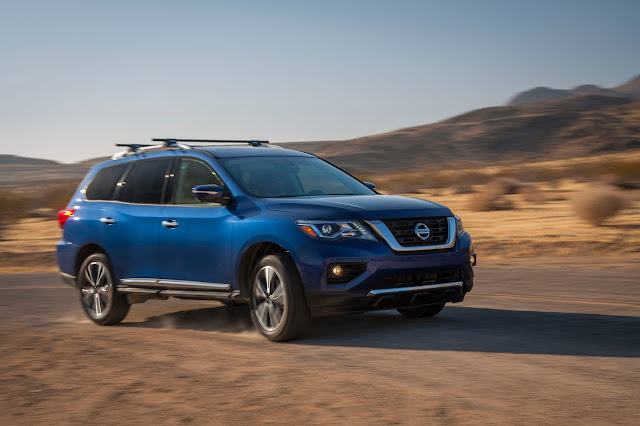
[84,252]
[250,257]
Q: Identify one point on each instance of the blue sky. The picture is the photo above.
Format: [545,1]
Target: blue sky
[79,76]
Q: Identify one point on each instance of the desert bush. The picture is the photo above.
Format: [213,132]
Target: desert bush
[13,206]
[506,186]
[597,205]
[622,182]
[492,196]
[463,189]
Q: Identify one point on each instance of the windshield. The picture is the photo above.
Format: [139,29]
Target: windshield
[291,177]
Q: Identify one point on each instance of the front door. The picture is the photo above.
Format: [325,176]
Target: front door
[196,237]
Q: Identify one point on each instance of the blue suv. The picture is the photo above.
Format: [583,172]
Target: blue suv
[250,223]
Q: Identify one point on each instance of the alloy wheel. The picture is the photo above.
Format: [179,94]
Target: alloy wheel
[97,291]
[270,298]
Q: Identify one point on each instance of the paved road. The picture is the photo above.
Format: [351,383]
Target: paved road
[528,345]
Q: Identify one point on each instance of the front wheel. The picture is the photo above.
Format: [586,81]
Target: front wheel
[278,305]
[98,293]
[421,311]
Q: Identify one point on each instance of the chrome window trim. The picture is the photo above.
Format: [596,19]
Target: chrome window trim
[385,233]
[156,282]
[417,288]
[83,191]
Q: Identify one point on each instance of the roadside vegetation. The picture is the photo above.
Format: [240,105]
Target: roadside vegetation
[620,170]
[13,207]
[43,201]
[597,205]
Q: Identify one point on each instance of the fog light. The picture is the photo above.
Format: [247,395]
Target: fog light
[336,271]
[342,273]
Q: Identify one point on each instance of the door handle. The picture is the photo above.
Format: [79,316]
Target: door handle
[170,223]
[108,220]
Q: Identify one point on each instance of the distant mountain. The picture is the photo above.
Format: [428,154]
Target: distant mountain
[548,129]
[14,159]
[629,90]
[632,86]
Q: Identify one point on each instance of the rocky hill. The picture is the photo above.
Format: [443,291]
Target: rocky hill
[628,90]
[17,160]
[550,129]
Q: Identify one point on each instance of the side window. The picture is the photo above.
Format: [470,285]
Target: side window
[145,182]
[192,173]
[104,183]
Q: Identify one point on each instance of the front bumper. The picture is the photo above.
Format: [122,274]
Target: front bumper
[391,280]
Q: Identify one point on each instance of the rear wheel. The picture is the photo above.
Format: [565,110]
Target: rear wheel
[421,311]
[98,291]
[278,305]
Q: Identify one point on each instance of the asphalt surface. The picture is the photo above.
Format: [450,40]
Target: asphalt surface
[527,345]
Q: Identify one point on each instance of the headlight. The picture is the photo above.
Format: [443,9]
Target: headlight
[331,230]
[459,226]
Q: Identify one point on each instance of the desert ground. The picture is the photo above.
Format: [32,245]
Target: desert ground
[548,335]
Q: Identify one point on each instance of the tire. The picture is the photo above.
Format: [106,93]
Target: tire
[97,287]
[277,302]
[421,311]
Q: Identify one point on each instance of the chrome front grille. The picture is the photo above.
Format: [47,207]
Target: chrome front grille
[403,230]
[401,234]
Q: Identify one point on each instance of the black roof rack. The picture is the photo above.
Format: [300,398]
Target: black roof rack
[174,142]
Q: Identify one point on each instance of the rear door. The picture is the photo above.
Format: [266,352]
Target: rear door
[196,237]
[132,222]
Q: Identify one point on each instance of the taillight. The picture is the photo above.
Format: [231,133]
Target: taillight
[63,215]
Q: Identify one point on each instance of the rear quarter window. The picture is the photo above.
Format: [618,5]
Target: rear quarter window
[104,183]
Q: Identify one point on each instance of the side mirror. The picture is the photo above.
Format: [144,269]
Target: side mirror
[370,185]
[210,194]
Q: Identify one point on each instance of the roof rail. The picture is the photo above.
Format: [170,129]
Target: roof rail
[133,147]
[174,142]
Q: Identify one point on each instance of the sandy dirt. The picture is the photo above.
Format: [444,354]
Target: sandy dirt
[528,345]
[549,335]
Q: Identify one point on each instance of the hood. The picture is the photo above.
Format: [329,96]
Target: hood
[367,207]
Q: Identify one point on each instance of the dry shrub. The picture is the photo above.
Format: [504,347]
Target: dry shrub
[622,183]
[507,186]
[597,205]
[13,206]
[492,196]
[463,189]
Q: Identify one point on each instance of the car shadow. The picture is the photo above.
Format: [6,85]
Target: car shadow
[454,329]
[223,319]
[485,330]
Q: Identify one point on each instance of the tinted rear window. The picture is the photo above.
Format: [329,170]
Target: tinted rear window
[103,185]
[145,182]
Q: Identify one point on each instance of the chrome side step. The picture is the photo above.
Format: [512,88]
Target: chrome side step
[174,284]
[183,294]
[200,294]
